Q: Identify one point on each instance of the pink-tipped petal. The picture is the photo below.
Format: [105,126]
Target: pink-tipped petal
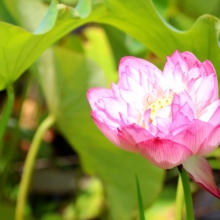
[200,171]
[135,133]
[215,119]
[186,60]
[113,136]
[134,63]
[209,68]
[175,59]
[178,121]
[211,142]
[163,125]
[211,113]
[184,57]
[106,105]
[94,94]
[182,112]
[129,96]
[128,83]
[104,119]
[164,153]
[206,95]
[190,59]
[142,71]
[194,135]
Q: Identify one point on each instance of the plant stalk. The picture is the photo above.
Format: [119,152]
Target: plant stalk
[6,112]
[187,194]
[29,165]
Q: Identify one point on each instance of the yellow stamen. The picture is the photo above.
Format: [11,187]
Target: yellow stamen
[157,105]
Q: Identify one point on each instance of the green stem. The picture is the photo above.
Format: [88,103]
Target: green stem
[13,143]
[28,167]
[179,200]
[187,195]
[7,111]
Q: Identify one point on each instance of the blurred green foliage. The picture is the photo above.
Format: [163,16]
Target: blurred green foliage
[89,38]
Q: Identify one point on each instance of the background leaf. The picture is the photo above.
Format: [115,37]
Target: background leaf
[159,36]
[19,48]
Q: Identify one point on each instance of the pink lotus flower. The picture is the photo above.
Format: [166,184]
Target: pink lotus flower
[170,117]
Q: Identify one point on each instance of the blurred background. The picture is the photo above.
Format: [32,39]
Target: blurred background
[96,181]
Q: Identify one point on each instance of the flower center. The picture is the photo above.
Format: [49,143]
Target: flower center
[157,105]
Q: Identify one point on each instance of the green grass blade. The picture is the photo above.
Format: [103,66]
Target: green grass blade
[140,203]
